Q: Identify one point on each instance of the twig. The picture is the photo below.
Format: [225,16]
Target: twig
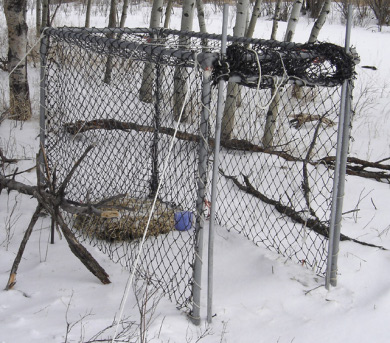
[313,224]
[52,201]
[355,166]
[12,277]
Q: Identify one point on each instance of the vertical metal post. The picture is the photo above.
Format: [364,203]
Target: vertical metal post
[202,170]
[42,114]
[42,95]
[155,173]
[340,170]
[220,106]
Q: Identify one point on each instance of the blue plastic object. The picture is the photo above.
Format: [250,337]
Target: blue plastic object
[183,220]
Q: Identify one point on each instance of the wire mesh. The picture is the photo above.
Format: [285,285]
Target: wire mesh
[122,90]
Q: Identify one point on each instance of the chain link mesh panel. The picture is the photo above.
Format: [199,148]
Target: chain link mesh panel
[123,90]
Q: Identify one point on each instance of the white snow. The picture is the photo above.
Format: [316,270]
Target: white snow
[258,295]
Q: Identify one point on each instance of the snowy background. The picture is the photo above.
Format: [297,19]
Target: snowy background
[258,295]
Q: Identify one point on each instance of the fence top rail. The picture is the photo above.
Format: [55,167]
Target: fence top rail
[252,62]
[145,48]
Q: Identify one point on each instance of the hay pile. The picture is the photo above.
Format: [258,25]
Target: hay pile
[126,219]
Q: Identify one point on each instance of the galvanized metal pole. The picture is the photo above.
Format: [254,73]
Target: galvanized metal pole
[220,107]
[202,170]
[340,170]
[42,99]
[42,115]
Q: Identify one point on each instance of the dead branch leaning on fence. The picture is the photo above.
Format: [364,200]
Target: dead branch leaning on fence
[355,166]
[312,223]
[52,201]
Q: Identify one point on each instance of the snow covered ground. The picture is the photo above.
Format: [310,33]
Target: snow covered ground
[258,295]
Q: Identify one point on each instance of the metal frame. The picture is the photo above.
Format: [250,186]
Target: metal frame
[340,170]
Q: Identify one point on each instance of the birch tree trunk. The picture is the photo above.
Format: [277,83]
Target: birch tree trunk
[275,21]
[293,21]
[255,15]
[270,123]
[87,13]
[273,110]
[228,119]
[124,13]
[45,13]
[201,16]
[181,74]
[168,12]
[111,24]
[290,31]
[320,21]
[15,14]
[38,17]
[148,76]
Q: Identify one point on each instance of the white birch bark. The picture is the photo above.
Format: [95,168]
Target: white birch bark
[201,16]
[320,21]
[124,13]
[180,87]
[275,21]
[148,76]
[111,24]
[15,14]
[168,12]
[293,21]
[273,110]
[228,119]
[87,13]
[255,15]
[270,123]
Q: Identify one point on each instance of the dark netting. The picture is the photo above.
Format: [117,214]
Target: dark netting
[312,64]
[126,106]
[122,90]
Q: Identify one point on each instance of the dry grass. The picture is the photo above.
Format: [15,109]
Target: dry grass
[126,220]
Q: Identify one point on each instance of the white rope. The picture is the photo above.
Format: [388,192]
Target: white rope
[135,265]
[284,77]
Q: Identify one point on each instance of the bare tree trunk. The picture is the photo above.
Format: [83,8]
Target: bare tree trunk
[38,16]
[201,19]
[88,13]
[228,120]
[275,22]
[168,12]
[180,77]
[272,114]
[320,21]
[315,7]
[273,110]
[15,14]
[111,24]
[45,13]
[293,21]
[148,76]
[124,13]
[255,15]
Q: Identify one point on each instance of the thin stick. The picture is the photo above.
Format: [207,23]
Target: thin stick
[12,277]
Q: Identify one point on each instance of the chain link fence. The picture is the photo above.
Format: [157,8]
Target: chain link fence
[125,90]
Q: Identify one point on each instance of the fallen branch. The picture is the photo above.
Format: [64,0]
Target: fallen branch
[12,276]
[355,166]
[52,201]
[312,223]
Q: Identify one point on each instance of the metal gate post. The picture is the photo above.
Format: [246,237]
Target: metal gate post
[220,105]
[340,170]
[202,174]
